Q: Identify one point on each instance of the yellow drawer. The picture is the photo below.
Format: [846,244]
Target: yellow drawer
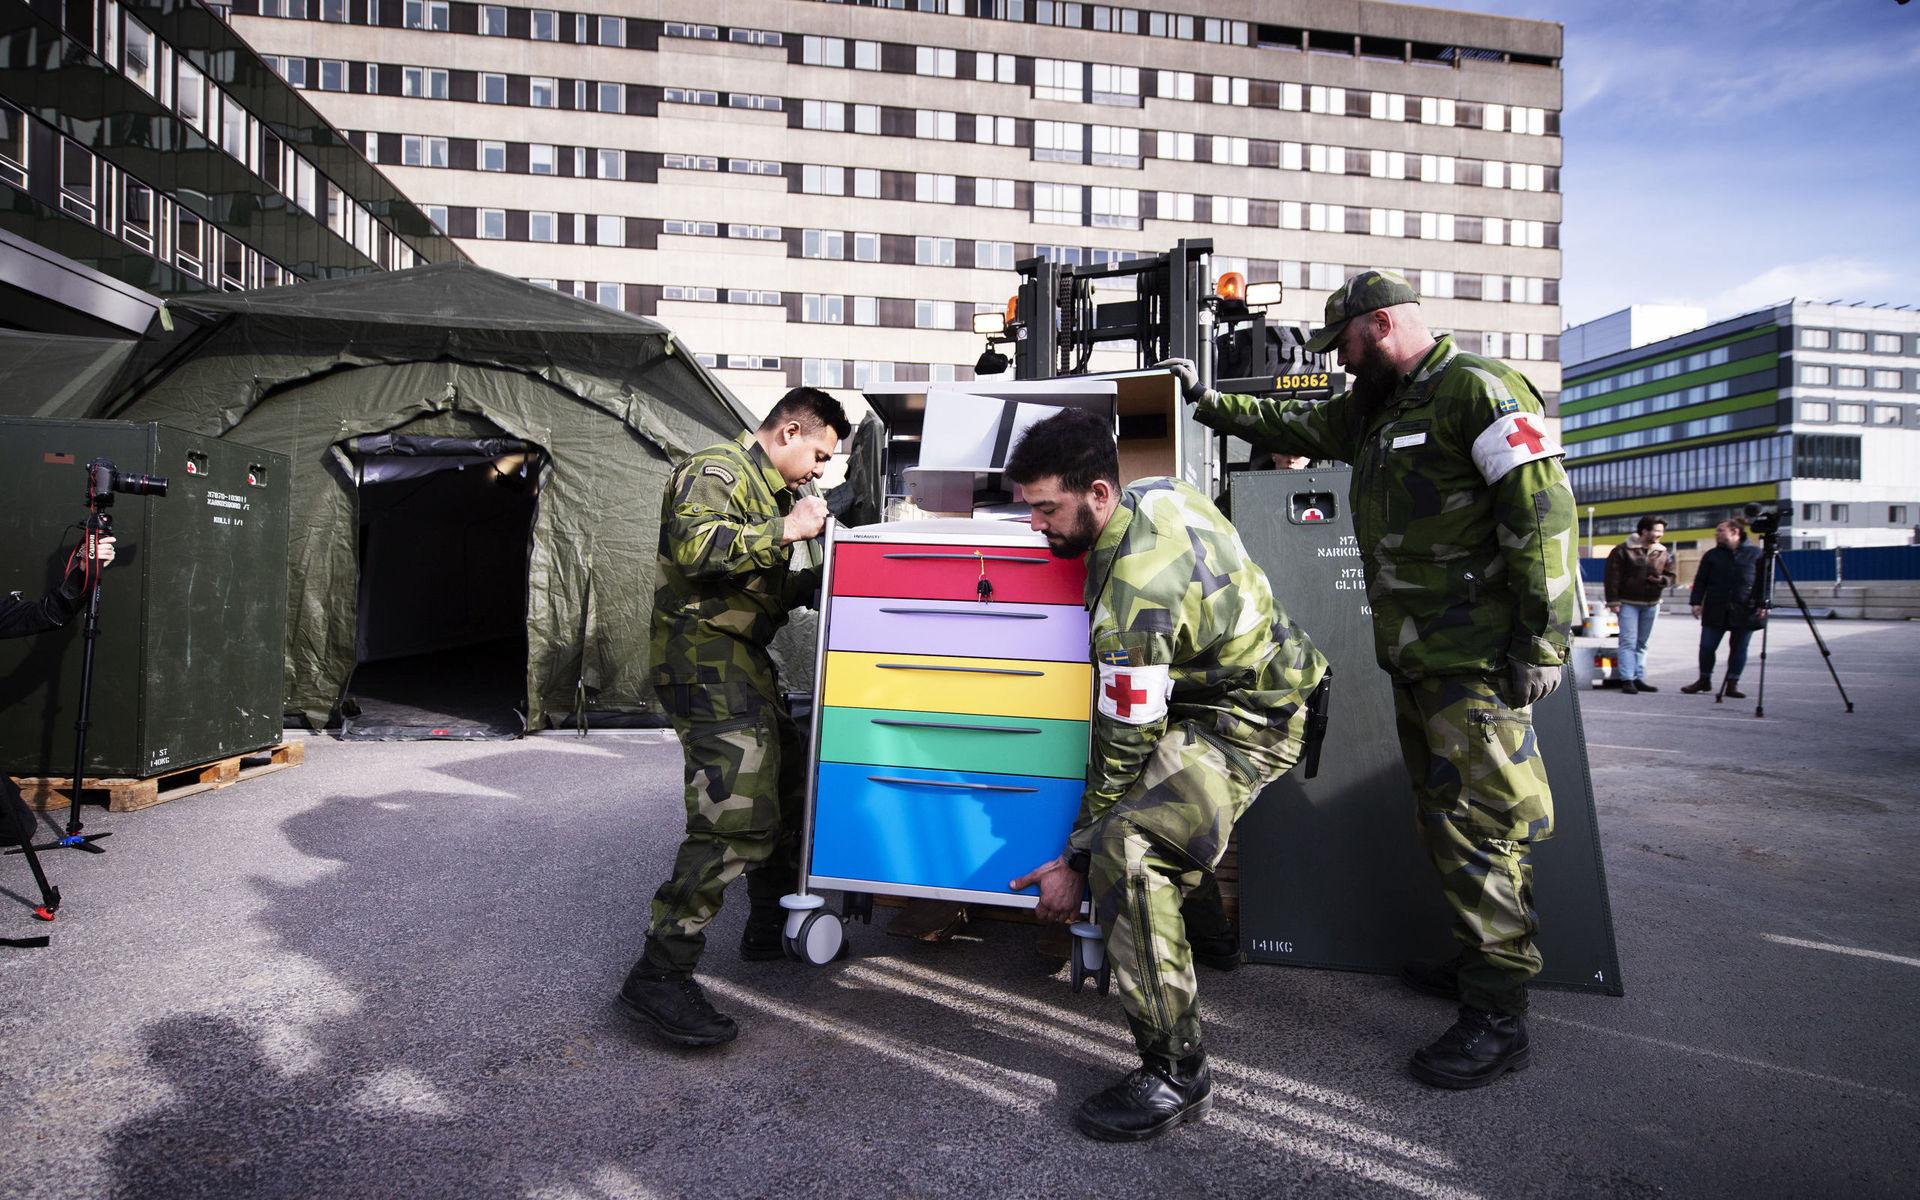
[1009,687]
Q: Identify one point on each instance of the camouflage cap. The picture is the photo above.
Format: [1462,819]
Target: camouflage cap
[1370,289]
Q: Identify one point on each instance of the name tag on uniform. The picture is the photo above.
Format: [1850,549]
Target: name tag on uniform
[1409,439]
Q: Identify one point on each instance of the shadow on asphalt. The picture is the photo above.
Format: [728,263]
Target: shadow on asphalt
[468,1047]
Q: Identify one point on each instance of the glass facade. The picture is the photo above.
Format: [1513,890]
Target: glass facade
[147,142]
[1726,465]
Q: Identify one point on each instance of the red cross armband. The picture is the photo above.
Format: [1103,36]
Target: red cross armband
[1512,441]
[1134,695]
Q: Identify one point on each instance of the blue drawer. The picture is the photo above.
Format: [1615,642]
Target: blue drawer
[955,830]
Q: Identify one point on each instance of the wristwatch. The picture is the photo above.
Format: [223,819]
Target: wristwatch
[1079,861]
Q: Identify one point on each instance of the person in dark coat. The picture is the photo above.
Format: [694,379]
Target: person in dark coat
[1723,603]
[20,617]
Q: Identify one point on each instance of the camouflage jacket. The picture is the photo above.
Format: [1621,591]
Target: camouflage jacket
[726,582]
[1185,630]
[1461,510]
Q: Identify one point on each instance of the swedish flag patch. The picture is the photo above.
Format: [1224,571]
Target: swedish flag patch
[1505,405]
[1115,658]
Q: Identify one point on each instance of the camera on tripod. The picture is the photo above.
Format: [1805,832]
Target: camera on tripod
[104,479]
[1765,521]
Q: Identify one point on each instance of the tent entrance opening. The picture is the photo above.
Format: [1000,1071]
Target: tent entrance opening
[441,645]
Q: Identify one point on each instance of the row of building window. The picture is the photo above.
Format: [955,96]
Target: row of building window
[1842,514]
[1067,80]
[1049,203]
[1651,373]
[1724,465]
[1075,82]
[175,82]
[1679,431]
[493,20]
[1854,341]
[1849,414]
[1702,393]
[1102,18]
[151,221]
[1048,141]
[1818,375]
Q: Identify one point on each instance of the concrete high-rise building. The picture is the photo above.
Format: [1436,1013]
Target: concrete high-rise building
[827,192]
[1810,407]
[146,152]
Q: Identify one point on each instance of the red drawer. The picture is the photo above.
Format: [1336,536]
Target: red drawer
[1020,574]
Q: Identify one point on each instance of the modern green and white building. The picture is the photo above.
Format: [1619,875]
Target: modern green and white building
[1809,406]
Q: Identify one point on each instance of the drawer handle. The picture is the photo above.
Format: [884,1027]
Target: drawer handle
[945,725]
[964,670]
[965,612]
[938,783]
[974,558]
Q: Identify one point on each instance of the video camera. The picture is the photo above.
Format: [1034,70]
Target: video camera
[1765,521]
[104,479]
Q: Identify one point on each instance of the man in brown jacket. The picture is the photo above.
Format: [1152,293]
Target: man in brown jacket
[1639,572]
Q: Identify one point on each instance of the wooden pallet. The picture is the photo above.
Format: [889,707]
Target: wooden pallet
[130,795]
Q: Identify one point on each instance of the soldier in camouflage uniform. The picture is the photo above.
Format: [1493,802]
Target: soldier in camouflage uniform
[733,532]
[1201,702]
[1465,525]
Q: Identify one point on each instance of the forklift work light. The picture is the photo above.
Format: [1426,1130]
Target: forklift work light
[1263,295]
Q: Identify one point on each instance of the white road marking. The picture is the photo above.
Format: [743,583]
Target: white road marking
[1830,948]
[1897,1097]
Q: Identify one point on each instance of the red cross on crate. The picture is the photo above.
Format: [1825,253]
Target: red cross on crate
[1124,695]
[1526,434]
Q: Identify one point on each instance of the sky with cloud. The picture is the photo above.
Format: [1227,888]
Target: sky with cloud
[1733,155]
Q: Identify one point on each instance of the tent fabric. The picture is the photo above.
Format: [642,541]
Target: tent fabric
[49,375]
[453,350]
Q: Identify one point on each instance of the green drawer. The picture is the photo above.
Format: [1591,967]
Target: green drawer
[954,742]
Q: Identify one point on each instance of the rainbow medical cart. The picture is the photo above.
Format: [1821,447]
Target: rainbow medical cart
[953,693]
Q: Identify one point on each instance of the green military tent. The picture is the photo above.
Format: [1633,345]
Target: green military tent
[470,453]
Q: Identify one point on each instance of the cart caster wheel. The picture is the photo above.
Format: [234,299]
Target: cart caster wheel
[1089,960]
[822,939]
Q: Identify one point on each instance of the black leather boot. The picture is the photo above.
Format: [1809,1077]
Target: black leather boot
[1480,1048]
[761,940]
[1702,684]
[1150,1101]
[1643,686]
[1628,687]
[1731,689]
[1440,979]
[674,1008]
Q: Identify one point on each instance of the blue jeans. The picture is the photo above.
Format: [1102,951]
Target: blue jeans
[1736,650]
[1636,626]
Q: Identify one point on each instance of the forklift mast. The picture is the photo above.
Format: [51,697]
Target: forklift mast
[1172,314]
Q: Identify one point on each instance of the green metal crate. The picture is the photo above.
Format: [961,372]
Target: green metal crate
[190,662]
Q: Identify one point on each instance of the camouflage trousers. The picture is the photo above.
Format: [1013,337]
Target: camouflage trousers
[746,767]
[1481,802]
[1158,844]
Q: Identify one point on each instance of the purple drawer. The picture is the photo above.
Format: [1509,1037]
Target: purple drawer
[963,628]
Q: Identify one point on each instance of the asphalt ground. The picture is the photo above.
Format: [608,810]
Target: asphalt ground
[388,972]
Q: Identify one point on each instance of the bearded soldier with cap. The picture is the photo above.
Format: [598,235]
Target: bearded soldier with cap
[1202,697]
[729,572]
[1465,526]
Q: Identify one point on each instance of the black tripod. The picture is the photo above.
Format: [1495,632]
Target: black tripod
[99,524]
[1762,600]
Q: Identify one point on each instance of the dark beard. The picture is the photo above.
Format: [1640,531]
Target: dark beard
[1078,540]
[1373,380]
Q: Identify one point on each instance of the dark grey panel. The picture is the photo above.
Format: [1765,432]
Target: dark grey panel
[190,663]
[1331,869]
